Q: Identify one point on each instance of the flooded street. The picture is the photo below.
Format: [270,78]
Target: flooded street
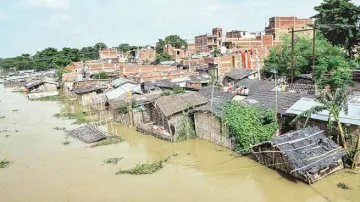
[45,170]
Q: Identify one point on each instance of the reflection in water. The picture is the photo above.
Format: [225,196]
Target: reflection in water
[45,170]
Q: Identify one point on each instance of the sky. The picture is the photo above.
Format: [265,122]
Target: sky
[27,26]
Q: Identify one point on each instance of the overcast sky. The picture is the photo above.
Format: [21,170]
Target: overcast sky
[27,26]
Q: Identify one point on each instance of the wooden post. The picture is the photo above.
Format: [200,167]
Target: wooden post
[130,112]
[292,55]
[313,53]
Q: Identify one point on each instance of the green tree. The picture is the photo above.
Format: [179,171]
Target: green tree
[249,125]
[173,40]
[162,57]
[216,52]
[124,47]
[334,103]
[329,60]
[160,46]
[339,20]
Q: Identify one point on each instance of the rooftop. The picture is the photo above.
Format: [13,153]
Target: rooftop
[240,73]
[173,104]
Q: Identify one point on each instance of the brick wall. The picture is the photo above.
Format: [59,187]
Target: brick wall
[108,53]
[147,55]
[145,68]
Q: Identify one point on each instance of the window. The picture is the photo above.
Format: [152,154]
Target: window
[177,52]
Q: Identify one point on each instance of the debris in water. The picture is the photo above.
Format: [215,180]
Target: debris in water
[175,154]
[66,142]
[80,117]
[4,163]
[109,140]
[219,150]
[3,131]
[342,185]
[2,117]
[16,130]
[7,136]
[15,110]
[113,160]
[145,168]
[59,128]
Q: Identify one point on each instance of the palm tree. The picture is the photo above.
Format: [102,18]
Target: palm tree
[334,103]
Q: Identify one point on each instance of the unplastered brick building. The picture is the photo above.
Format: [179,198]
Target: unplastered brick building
[146,55]
[208,42]
[279,25]
[108,53]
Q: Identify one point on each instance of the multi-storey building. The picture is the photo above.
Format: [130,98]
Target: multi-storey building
[208,42]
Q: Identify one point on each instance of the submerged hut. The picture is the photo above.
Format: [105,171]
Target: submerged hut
[305,154]
[88,95]
[166,114]
[208,118]
[40,89]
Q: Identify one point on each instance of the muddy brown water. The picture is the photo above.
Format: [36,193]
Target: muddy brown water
[45,170]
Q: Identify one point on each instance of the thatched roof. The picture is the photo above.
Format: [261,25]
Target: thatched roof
[87,134]
[173,104]
[87,89]
[307,151]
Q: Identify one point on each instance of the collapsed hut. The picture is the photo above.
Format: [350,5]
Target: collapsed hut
[305,154]
[39,89]
[87,134]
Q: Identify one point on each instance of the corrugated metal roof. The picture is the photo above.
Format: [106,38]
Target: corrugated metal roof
[120,81]
[120,90]
[353,116]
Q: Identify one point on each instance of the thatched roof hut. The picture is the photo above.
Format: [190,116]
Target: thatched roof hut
[305,154]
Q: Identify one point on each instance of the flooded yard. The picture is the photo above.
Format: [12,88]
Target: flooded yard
[43,169]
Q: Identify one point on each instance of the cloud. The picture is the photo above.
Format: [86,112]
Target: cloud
[50,4]
[3,15]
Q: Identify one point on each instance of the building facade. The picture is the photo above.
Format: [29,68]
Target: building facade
[208,42]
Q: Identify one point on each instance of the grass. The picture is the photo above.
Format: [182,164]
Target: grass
[144,168]
[79,117]
[112,160]
[51,98]
[342,185]
[4,163]
[108,141]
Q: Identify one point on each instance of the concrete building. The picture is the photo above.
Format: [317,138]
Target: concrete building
[279,25]
[208,42]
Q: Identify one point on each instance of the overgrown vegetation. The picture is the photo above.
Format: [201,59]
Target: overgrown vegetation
[51,98]
[108,141]
[100,75]
[4,163]
[249,125]
[2,117]
[124,109]
[145,168]
[186,129]
[112,160]
[79,117]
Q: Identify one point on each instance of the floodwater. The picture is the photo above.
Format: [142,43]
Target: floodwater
[45,170]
